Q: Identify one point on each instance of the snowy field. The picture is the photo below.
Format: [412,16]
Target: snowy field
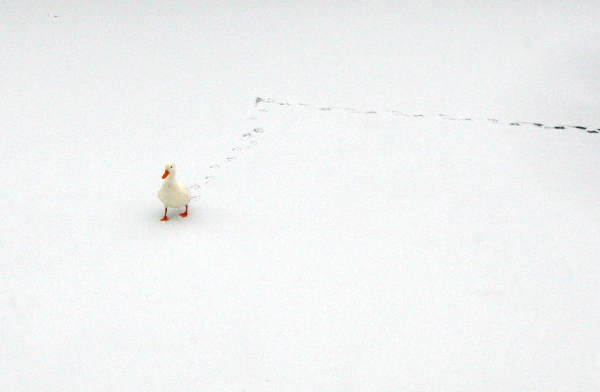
[411,204]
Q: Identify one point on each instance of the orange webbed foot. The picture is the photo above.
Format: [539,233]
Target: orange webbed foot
[183,215]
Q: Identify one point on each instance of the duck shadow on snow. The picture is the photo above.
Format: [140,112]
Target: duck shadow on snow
[199,215]
[153,214]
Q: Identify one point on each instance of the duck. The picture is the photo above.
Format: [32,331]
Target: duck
[172,193]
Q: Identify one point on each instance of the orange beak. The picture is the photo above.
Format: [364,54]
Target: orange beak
[165,174]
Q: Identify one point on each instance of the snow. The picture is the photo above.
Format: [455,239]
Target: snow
[326,250]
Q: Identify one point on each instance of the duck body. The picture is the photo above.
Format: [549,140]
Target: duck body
[172,193]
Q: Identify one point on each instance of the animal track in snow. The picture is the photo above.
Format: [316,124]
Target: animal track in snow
[265,100]
[249,138]
[248,141]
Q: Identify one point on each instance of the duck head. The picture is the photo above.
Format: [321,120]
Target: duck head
[169,170]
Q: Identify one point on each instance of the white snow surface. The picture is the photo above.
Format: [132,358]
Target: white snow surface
[345,245]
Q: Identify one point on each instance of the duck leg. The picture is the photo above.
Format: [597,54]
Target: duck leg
[164,218]
[185,213]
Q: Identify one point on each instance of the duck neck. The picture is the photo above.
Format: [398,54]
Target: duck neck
[170,178]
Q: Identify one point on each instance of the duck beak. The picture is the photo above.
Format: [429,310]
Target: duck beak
[165,174]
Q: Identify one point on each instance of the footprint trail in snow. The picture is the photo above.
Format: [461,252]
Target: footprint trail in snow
[250,138]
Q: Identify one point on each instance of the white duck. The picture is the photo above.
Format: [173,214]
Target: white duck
[172,193]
